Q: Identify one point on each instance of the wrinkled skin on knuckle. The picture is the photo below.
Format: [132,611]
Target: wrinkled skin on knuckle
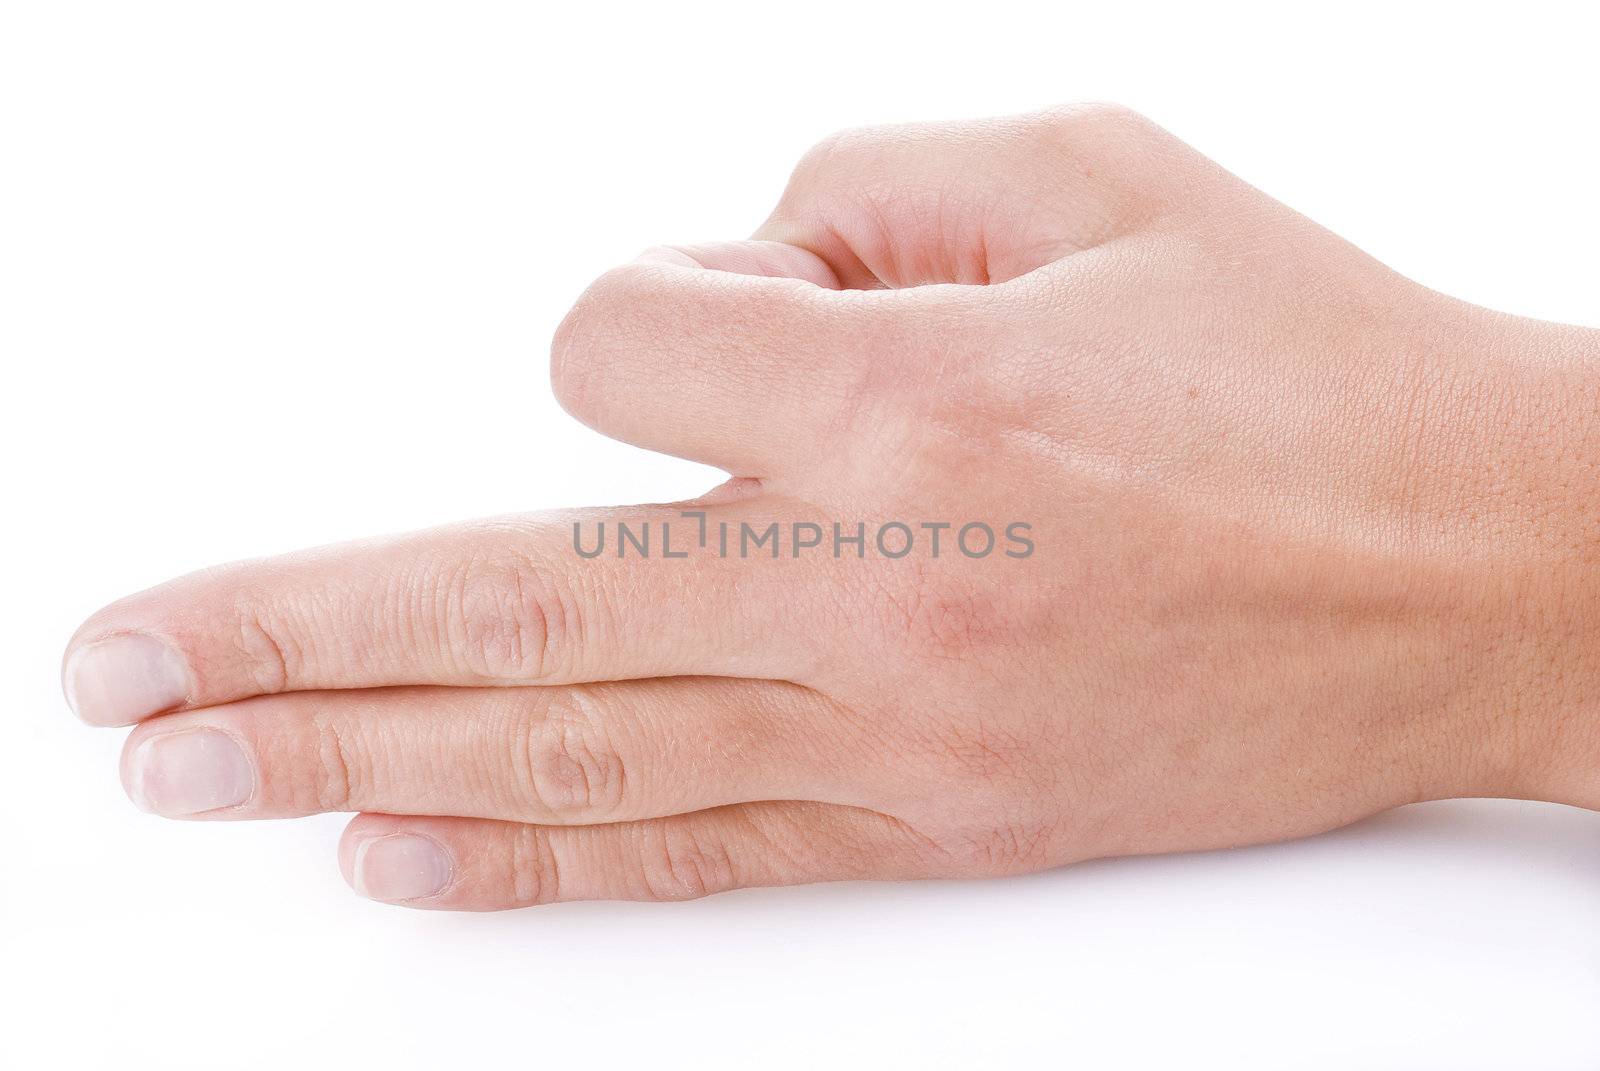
[266,632]
[677,864]
[502,616]
[317,765]
[532,872]
[979,810]
[339,772]
[570,767]
[990,798]
[1013,845]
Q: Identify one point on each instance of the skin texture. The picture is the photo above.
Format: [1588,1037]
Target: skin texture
[1311,541]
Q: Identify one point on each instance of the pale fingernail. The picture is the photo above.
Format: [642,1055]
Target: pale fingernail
[190,771]
[125,678]
[400,866]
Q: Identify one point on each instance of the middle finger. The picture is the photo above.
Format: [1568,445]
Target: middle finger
[557,755]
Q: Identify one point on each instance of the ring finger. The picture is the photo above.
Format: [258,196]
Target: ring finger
[460,864]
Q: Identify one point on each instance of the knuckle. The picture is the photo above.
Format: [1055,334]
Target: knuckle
[570,767]
[828,172]
[332,778]
[1088,124]
[266,641]
[533,872]
[568,354]
[595,335]
[1011,846]
[820,159]
[1008,821]
[678,864]
[503,618]
[1138,169]
[929,617]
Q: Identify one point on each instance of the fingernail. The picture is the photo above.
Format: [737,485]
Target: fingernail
[400,866]
[190,771]
[120,680]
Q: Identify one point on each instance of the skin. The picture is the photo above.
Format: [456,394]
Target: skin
[1311,541]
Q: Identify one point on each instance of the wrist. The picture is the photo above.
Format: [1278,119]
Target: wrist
[1532,521]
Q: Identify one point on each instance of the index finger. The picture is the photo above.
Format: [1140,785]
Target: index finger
[494,603]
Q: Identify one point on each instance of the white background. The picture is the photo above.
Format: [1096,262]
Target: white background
[284,273]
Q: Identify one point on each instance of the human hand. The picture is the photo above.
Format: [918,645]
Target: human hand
[1278,539]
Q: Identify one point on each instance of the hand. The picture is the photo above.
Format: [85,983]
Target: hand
[1276,539]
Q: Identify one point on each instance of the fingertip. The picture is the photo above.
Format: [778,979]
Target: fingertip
[193,770]
[395,863]
[124,678]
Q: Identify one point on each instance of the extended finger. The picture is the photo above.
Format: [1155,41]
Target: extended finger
[510,601]
[467,864]
[559,755]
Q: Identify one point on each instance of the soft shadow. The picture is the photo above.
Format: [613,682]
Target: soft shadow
[1483,836]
